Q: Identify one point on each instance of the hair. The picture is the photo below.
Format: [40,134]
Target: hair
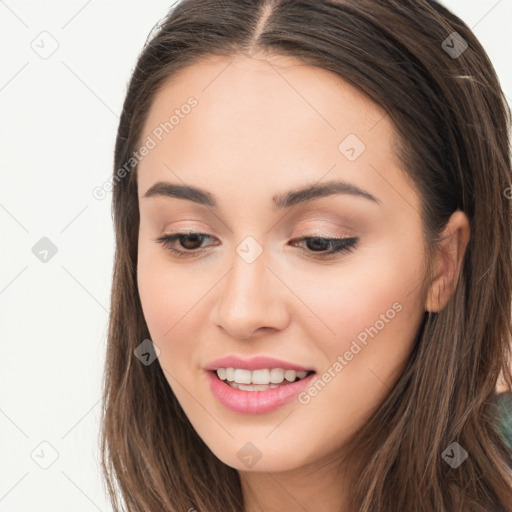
[453,128]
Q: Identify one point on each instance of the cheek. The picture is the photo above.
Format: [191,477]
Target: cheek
[375,309]
[173,302]
[157,294]
[370,307]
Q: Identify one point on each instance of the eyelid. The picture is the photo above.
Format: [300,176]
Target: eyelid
[185,226]
[312,223]
[319,220]
[323,233]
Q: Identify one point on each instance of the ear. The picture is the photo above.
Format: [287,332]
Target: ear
[448,261]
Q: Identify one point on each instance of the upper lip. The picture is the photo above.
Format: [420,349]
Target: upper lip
[254,363]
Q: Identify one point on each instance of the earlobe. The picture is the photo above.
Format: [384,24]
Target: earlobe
[448,261]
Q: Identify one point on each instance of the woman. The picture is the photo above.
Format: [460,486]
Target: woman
[311,304]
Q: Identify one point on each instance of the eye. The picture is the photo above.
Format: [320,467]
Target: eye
[325,247]
[191,244]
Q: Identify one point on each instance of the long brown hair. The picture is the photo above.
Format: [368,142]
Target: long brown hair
[454,126]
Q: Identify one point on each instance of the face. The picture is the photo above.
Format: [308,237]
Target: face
[329,280]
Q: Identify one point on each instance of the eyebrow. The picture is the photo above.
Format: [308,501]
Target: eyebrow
[281,201]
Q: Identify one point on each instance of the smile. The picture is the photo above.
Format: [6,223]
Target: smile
[249,397]
[259,380]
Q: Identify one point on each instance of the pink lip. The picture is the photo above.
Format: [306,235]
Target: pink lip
[255,402]
[254,363]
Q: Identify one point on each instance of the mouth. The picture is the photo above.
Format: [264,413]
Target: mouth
[259,380]
[257,391]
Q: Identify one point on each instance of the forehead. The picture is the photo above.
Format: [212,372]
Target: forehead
[275,90]
[263,120]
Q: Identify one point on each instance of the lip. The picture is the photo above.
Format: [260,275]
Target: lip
[254,363]
[255,402]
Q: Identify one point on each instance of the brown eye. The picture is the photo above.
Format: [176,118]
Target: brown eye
[190,243]
[328,246]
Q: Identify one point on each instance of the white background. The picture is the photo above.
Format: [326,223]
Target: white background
[58,120]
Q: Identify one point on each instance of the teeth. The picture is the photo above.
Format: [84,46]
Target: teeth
[260,376]
[276,375]
[253,387]
[242,376]
[290,375]
[264,376]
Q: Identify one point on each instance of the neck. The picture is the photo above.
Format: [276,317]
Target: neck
[322,487]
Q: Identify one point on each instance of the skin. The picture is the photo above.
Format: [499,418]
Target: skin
[263,126]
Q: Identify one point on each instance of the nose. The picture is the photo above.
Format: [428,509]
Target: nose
[251,300]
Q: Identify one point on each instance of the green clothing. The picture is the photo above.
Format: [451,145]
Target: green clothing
[504,405]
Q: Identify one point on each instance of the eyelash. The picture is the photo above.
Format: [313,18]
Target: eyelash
[341,245]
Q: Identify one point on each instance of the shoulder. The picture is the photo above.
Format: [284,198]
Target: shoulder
[503,403]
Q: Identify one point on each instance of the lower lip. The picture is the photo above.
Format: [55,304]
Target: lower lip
[255,402]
